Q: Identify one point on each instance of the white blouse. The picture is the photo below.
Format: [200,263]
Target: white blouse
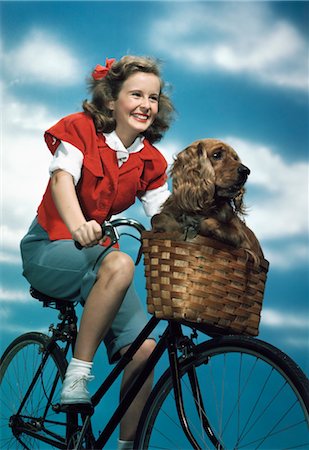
[69,158]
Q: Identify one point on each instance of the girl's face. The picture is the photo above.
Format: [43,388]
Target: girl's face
[136,106]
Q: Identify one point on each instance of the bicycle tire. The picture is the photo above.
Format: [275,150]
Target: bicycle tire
[18,365]
[266,392]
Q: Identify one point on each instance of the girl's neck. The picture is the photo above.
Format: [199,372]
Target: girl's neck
[126,139]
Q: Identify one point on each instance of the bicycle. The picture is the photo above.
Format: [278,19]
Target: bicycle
[228,392]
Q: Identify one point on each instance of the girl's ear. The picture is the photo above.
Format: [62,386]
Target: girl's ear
[111,105]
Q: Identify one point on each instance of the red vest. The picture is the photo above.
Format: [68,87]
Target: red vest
[104,189]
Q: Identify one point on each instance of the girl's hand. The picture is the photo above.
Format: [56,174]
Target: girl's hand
[88,234]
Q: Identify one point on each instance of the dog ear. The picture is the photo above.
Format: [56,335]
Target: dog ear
[200,150]
[193,179]
[205,169]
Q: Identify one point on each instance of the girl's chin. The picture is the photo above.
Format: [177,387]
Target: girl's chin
[140,126]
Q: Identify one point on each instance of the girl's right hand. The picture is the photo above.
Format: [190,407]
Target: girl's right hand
[88,234]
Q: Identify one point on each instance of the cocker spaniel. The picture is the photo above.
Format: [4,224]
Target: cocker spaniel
[207,197]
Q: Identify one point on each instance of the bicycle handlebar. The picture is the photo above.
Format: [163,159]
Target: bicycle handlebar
[109,229]
[128,222]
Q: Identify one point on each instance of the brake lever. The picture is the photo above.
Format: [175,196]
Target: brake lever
[111,232]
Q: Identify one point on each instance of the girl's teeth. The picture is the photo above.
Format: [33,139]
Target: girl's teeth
[140,116]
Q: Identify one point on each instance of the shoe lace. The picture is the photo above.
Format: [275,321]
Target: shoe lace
[83,379]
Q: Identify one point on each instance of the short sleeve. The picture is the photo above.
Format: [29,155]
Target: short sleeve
[76,129]
[153,199]
[68,158]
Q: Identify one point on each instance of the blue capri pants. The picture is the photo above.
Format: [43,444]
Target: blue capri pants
[59,270]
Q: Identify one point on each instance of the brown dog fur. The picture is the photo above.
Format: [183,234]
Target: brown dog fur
[207,197]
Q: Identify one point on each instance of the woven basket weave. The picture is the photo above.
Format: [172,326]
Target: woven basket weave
[203,281]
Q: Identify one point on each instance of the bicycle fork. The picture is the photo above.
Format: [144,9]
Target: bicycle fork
[173,345]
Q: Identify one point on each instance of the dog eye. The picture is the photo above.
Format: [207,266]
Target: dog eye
[217,155]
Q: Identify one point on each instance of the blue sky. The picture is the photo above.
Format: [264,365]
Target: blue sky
[237,71]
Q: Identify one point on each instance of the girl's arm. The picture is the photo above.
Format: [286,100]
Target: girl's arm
[87,233]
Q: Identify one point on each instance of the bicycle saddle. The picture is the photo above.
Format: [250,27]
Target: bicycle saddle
[47,300]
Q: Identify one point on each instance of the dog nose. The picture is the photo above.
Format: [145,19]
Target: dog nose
[243,170]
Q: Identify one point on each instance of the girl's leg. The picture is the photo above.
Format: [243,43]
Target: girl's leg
[130,420]
[113,279]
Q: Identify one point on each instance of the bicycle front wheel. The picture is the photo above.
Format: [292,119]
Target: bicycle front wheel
[30,381]
[247,395]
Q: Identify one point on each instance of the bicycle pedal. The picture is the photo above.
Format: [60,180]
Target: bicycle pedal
[82,408]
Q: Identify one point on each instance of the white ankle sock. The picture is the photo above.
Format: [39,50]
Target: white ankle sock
[77,365]
[125,445]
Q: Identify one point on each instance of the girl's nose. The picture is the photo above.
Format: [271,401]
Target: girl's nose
[145,103]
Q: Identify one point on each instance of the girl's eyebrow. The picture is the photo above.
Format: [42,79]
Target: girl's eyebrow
[140,90]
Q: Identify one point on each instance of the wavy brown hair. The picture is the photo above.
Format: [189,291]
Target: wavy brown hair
[108,88]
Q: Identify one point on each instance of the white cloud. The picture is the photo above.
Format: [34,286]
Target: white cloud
[7,257]
[169,150]
[24,171]
[17,116]
[294,325]
[9,296]
[42,57]
[288,255]
[278,319]
[297,342]
[17,329]
[239,37]
[281,207]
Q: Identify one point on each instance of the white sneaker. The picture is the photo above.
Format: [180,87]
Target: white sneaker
[74,389]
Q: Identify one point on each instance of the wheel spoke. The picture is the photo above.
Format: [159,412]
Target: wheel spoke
[248,393]
[19,365]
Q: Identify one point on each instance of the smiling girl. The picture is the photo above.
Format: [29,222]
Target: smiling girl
[103,160]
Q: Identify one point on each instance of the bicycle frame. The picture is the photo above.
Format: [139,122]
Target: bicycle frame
[171,341]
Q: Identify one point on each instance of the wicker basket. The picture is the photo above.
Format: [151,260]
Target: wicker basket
[203,281]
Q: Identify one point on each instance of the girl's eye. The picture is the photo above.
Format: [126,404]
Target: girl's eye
[154,98]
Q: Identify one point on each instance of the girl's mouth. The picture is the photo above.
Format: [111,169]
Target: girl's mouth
[140,117]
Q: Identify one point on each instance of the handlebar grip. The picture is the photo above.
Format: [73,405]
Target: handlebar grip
[78,245]
[107,230]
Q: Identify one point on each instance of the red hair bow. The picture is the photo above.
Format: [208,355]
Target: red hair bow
[101,71]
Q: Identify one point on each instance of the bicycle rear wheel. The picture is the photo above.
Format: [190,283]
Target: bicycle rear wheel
[253,395]
[27,420]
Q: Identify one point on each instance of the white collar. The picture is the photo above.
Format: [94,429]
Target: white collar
[123,153]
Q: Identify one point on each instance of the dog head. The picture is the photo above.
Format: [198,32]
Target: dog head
[206,170]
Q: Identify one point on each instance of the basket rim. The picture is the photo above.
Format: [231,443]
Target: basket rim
[197,242]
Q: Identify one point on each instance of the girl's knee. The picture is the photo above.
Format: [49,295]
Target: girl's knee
[142,354]
[144,351]
[117,264]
